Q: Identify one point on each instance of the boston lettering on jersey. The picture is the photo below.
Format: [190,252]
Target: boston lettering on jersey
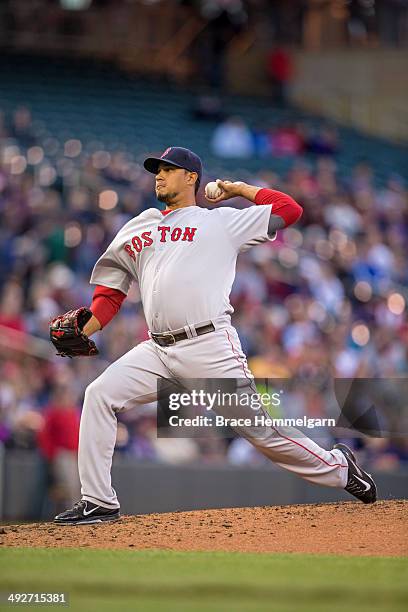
[145,239]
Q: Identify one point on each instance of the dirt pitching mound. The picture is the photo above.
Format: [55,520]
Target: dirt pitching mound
[347,528]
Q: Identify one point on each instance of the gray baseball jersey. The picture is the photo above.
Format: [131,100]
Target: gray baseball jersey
[184,261]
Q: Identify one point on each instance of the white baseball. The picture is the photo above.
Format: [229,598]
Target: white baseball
[212,190]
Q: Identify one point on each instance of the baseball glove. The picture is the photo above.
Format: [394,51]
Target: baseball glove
[67,336]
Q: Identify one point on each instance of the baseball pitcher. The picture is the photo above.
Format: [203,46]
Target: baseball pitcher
[184,260]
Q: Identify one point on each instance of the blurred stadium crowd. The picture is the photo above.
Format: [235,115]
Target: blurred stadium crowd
[326,299]
[358,22]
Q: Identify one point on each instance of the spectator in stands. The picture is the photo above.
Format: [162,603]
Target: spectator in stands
[280,71]
[22,126]
[208,108]
[11,305]
[143,436]
[233,139]
[224,21]
[322,141]
[286,141]
[58,445]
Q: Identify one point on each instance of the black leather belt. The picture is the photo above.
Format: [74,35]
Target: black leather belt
[169,338]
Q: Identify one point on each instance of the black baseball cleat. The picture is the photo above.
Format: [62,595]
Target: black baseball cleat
[87,513]
[359,483]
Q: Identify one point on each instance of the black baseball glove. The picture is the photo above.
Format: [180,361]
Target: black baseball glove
[67,336]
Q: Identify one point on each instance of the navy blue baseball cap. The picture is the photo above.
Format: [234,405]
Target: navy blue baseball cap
[178,157]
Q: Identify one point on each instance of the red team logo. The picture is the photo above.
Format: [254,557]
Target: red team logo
[144,240]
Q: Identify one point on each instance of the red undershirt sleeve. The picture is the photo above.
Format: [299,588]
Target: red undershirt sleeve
[106,303]
[282,205]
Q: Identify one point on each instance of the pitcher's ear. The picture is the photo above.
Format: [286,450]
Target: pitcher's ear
[193,176]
